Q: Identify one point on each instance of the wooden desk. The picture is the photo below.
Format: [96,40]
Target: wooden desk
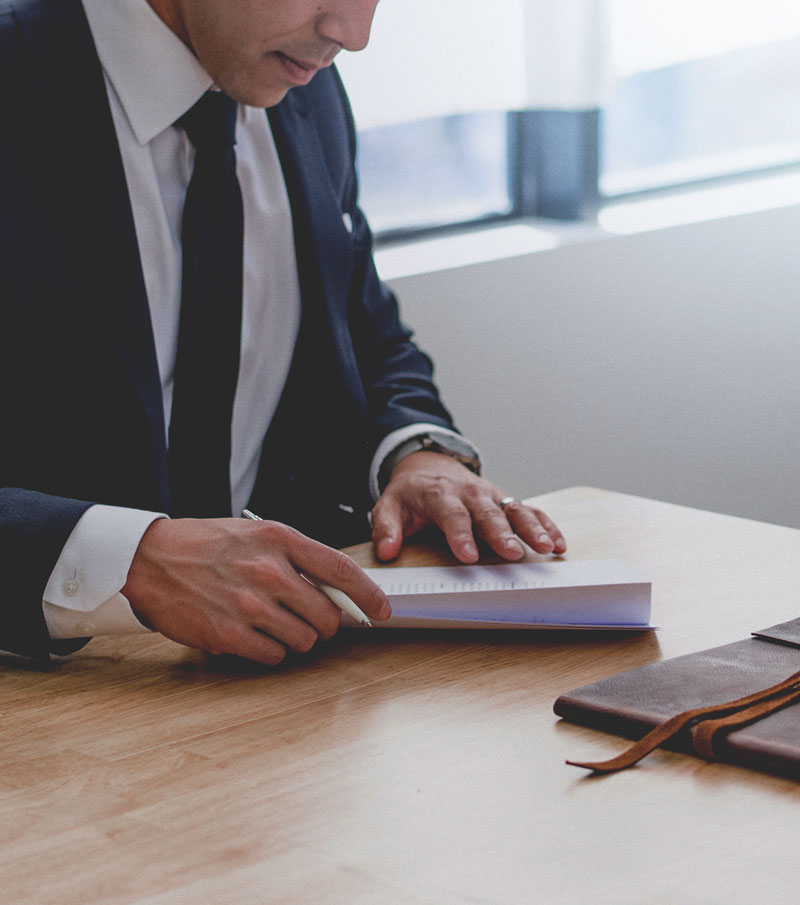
[403,768]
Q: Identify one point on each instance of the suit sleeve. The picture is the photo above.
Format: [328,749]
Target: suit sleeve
[33,526]
[33,530]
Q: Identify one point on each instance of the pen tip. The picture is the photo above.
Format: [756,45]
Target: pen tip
[366,622]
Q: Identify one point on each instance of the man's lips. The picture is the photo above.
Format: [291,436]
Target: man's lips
[300,71]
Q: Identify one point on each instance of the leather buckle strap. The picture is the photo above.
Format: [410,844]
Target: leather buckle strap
[709,722]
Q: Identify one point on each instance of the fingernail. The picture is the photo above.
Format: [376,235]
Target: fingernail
[513,544]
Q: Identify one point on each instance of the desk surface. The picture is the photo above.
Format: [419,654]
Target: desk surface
[397,768]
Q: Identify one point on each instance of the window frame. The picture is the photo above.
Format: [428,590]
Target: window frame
[553,167]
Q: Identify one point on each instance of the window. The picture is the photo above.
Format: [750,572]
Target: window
[429,96]
[434,172]
[704,90]
[470,113]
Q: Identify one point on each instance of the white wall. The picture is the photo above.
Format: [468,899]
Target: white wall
[665,364]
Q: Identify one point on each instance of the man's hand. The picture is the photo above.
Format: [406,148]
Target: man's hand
[431,488]
[233,586]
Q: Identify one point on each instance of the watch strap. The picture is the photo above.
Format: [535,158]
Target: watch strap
[452,445]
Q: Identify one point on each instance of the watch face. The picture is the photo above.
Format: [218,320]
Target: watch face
[448,443]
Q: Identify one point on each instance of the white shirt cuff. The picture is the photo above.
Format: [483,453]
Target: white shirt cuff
[82,597]
[391,441]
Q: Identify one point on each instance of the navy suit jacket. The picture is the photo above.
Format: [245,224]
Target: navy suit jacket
[82,418]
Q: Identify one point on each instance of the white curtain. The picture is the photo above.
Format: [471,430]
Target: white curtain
[650,34]
[436,57]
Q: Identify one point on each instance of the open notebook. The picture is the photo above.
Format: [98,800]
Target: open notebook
[597,594]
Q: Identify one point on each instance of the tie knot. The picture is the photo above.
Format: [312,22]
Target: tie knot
[211,123]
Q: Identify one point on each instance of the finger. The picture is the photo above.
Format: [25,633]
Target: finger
[527,525]
[388,527]
[559,541]
[302,599]
[320,563]
[494,528]
[319,610]
[245,641]
[455,521]
[283,604]
[294,621]
[324,564]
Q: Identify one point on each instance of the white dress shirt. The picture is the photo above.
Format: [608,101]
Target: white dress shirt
[152,79]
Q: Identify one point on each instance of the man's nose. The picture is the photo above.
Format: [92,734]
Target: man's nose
[347,22]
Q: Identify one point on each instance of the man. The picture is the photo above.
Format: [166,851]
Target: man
[104,273]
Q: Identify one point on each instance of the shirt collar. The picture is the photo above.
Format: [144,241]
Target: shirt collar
[155,75]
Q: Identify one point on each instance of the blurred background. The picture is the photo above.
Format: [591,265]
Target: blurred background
[590,212]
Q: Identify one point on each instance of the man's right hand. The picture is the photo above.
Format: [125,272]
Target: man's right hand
[234,586]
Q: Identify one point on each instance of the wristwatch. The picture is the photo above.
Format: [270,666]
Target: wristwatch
[447,444]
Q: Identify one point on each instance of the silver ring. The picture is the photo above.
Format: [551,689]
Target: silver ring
[506,500]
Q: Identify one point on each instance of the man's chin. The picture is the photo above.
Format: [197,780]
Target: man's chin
[268,98]
[254,97]
[253,92]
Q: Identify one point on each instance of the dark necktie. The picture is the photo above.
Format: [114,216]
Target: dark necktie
[209,334]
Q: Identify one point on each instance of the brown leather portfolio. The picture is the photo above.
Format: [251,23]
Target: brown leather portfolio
[635,702]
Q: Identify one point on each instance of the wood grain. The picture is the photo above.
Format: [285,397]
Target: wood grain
[402,768]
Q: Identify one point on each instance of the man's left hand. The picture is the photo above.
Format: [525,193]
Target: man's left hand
[431,488]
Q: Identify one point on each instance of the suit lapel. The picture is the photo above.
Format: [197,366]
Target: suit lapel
[322,244]
[87,179]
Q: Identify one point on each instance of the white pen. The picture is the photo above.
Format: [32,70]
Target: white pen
[339,598]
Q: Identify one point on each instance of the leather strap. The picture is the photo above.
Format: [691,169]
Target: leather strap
[705,733]
[710,721]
